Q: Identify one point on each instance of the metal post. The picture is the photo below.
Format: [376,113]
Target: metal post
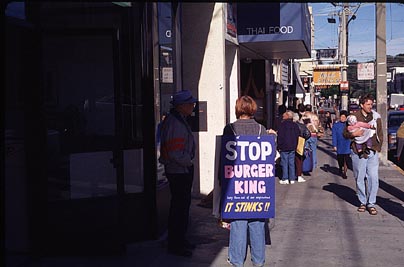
[381,81]
[176,45]
[344,49]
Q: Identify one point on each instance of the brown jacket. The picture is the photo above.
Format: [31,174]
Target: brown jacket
[377,139]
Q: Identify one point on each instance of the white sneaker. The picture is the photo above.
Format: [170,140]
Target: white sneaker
[300,179]
[292,182]
[284,181]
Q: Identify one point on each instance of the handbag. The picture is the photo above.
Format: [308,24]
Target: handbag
[300,145]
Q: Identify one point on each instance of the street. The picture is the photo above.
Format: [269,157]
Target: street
[316,224]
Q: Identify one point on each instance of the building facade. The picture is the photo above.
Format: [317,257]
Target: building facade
[86,87]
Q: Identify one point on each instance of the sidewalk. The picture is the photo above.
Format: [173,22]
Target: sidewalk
[316,224]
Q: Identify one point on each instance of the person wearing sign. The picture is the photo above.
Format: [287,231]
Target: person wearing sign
[177,154]
[240,229]
[366,170]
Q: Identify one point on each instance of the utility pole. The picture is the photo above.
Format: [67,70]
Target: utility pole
[344,50]
[381,81]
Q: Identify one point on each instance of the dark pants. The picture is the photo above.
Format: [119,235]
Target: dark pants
[180,188]
[299,164]
[343,162]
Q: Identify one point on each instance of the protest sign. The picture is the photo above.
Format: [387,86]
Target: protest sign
[248,177]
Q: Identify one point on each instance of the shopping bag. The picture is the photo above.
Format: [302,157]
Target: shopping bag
[300,146]
[308,160]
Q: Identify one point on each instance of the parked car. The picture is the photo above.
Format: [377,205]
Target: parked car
[394,120]
[353,107]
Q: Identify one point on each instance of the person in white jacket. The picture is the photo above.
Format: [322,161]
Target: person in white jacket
[177,154]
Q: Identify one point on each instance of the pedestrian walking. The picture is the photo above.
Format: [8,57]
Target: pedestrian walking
[242,229]
[317,131]
[305,133]
[340,144]
[366,167]
[177,154]
[327,122]
[288,134]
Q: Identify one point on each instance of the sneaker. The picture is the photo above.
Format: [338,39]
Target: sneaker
[300,179]
[284,182]
[292,181]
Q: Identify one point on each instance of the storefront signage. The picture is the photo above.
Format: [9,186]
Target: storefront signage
[165,23]
[248,177]
[366,71]
[344,86]
[326,77]
[231,19]
[167,75]
[270,22]
[327,54]
[270,30]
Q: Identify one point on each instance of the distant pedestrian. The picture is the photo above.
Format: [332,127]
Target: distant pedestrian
[327,121]
[317,131]
[288,134]
[341,144]
[305,133]
[278,119]
[300,110]
[366,167]
[400,146]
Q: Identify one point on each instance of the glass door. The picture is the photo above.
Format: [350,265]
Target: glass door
[79,100]
[81,79]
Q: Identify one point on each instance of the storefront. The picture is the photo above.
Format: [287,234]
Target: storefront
[271,35]
[80,127]
[86,87]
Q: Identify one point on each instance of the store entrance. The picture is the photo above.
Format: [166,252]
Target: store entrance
[82,86]
[82,152]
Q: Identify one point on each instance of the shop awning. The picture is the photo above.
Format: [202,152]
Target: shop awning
[274,30]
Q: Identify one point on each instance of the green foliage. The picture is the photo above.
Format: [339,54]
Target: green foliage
[331,91]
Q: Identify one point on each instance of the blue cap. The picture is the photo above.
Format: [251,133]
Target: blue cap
[183,97]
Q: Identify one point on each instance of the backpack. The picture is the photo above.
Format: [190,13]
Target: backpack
[304,131]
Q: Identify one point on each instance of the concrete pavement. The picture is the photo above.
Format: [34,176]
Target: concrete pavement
[316,224]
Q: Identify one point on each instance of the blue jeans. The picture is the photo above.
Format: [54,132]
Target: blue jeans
[312,144]
[288,165]
[239,231]
[368,168]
